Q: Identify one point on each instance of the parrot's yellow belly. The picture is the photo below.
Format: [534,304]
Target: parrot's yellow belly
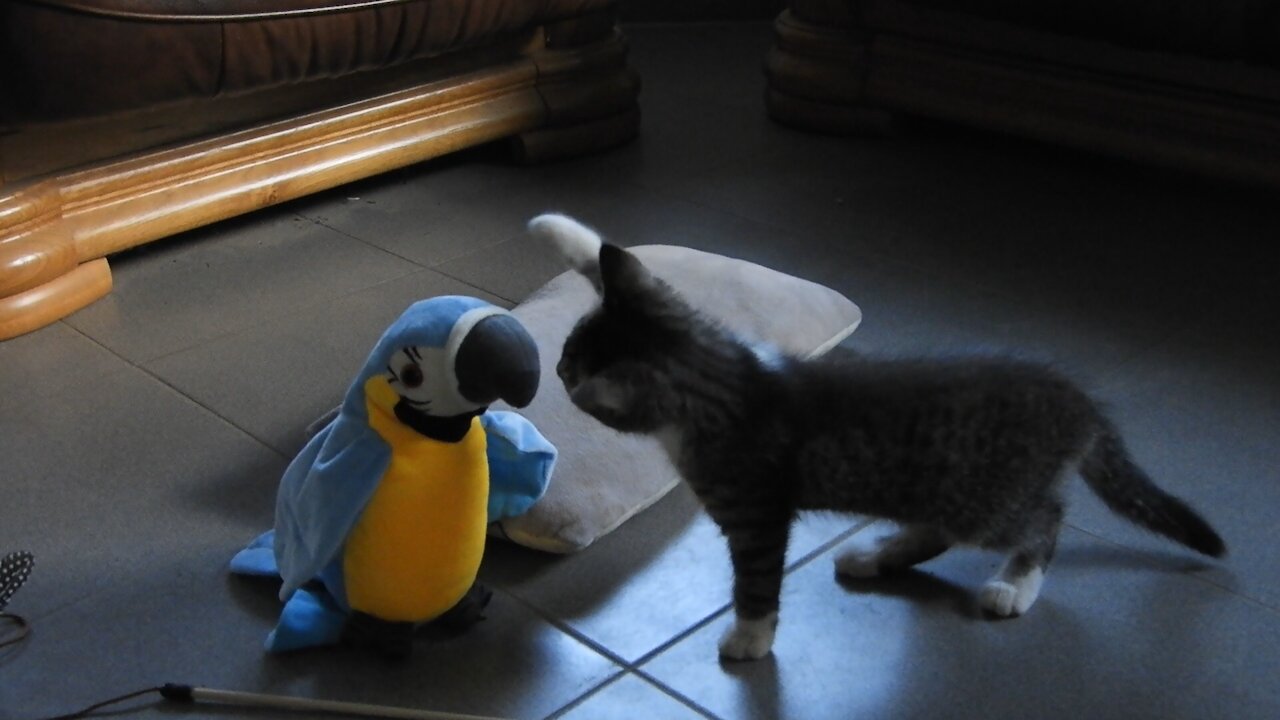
[417,546]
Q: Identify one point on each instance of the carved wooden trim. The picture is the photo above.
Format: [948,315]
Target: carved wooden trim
[557,142]
[817,79]
[53,231]
[47,303]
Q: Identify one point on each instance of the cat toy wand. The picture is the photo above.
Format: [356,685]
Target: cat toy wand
[189,694]
[16,567]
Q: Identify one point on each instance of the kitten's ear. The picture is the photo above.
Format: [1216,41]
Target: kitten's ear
[623,277]
[579,244]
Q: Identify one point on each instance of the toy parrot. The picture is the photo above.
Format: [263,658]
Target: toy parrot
[381,519]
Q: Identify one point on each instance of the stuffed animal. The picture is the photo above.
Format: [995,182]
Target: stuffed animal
[381,518]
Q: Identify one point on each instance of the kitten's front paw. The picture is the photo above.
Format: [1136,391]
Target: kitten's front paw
[749,639]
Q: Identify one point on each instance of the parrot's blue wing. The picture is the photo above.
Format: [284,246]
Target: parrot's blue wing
[322,495]
[520,463]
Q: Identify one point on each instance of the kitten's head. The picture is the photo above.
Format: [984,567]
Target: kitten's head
[618,362]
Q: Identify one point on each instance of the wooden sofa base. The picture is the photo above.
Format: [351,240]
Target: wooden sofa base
[55,233]
[1215,118]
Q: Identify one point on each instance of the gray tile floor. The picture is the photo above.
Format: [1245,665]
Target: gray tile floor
[143,438]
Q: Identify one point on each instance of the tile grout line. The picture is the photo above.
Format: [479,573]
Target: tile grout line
[146,371]
[683,635]
[434,267]
[362,241]
[286,314]
[714,615]
[675,694]
[263,321]
[634,666]
[293,310]
[33,618]
[1200,578]
[585,697]
[468,283]
[594,646]
[417,268]
[569,706]
[857,527]
[569,630]
[183,395]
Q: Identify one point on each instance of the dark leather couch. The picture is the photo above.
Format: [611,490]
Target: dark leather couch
[125,121]
[1192,84]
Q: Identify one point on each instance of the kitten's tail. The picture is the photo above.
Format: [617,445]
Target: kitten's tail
[1128,491]
[579,244]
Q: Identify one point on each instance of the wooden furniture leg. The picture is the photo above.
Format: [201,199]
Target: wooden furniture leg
[553,100]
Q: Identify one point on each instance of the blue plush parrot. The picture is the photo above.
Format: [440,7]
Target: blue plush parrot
[381,518]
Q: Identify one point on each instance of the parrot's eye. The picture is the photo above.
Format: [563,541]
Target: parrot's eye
[411,376]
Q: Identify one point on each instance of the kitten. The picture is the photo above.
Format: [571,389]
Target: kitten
[971,451]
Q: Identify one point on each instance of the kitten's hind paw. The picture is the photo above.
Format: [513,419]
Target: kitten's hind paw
[872,554]
[858,563]
[749,639]
[997,598]
[1013,597]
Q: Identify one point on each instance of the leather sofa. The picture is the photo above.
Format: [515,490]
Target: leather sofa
[1191,84]
[126,121]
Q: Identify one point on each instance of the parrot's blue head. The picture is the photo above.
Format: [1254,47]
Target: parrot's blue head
[444,361]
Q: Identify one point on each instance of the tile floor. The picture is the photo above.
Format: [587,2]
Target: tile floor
[144,436]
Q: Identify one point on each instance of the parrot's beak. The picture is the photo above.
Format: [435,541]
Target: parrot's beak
[498,360]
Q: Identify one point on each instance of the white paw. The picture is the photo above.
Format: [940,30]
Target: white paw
[858,563]
[1010,598]
[749,639]
[997,598]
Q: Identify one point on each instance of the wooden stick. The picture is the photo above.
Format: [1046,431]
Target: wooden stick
[187,693]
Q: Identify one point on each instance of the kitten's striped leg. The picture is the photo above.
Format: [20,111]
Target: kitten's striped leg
[758,552]
[910,545]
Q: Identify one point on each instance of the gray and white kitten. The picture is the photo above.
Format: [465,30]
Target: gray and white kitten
[966,451]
